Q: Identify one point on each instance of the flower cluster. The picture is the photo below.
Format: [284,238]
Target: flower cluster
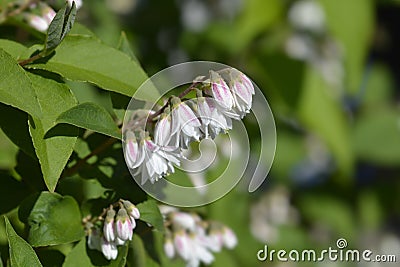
[193,239]
[41,21]
[153,153]
[113,230]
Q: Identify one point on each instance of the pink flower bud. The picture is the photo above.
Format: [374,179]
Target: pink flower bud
[133,212]
[48,14]
[182,245]
[184,220]
[220,91]
[37,23]
[123,225]
[108,228]
[94,239]
[134,153]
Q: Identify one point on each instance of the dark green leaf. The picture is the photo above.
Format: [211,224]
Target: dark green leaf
[124,46]
[17,129]
[84,58]
[81,255]
[21,253]
[15,87]
[91,116]
[138,256]
[52,219]
[53,152]
[59,27]
[150,213]
[12,192]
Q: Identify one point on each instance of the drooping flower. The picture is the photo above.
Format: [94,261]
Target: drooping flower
[94,239]
[37,22]
[123,225]
[134,154]
[220,91]
[182,244]
[108,228]
[132,210]
[185,124]
[48,14]
[109,249]
[242,90]
[169,248]
[229,238]
[184,220]
[213,120]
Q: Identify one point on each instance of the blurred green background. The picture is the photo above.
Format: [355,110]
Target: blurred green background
[330,70]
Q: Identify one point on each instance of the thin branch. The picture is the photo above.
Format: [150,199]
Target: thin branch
[29,60]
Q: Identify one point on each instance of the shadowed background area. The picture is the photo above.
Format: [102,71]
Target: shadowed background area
[330,71]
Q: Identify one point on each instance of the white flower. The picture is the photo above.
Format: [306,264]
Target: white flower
[215,241]
[229,238]
[220,91]
[134,154]
[185,124]
[94,239]
[48,14]
[109,249]
[307,15]
[108,228]
[242,89]
[199,253]
[78,3]
[133,212]
[123,225]
[213,120]
[37,22]
[156,163]
[182,245]
[184,220]
[169,248]
[163,131]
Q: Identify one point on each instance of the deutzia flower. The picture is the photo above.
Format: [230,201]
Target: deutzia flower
[184,219]
[78,3]
[229,238]
[133,154]
[185,124]
[37,22]
[94,239]
[133,212]
[123,225]
[242,90]
[169,248]
[108,228]
[213,121]
[182,244]
[109,249]
[220,91]
[48,14]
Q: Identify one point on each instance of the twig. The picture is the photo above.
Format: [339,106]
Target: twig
[30,60]
[82,161]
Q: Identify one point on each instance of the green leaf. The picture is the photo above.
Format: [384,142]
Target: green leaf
[150,213]
[13,48]
[138,256]
[124,46]
[17,129]
[322,114]
[354,35]
[53,219]
[53,152]
[91,116]
[15,87]
[376,137]
[59,27]
[81,255]
[84,58]
[21,253]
